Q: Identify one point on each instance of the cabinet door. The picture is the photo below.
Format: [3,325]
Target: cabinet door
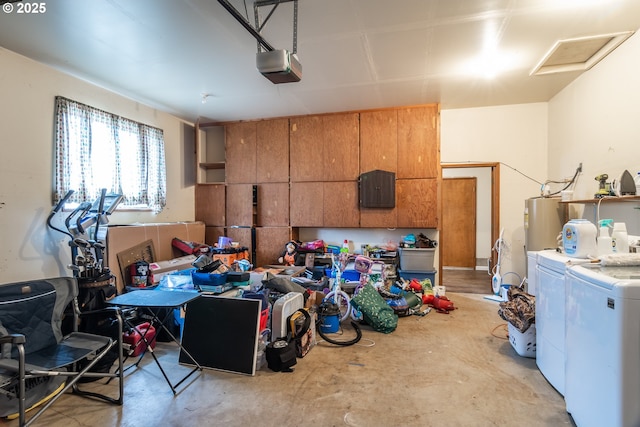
[270,242]
[240,146]
[272,150]
[240,207]
[306,149]
[306,205]
[341,204]
[418,147]
[273,205]
[379,141]
[210,204]
[341,147]
[417,203]
[379,218]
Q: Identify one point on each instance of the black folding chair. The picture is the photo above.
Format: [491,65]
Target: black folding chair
[38,364]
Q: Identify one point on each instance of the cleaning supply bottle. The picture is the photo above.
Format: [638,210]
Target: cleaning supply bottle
[605,244]
[619,238]
[344,254]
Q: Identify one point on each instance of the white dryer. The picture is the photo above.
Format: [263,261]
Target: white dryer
[602,384]
[550,316]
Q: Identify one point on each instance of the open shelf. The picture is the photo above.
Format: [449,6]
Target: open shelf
[607,199]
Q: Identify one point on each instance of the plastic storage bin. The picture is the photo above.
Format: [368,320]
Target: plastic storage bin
[523,343]
[417,259]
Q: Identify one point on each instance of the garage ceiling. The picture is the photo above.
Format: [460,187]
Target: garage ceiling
[192,59]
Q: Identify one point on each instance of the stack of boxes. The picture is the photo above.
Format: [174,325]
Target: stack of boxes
[417,263]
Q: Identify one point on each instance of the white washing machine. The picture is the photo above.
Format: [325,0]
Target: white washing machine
[602,384]
[550,316]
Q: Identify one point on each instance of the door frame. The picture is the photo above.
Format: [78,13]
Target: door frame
[495,202]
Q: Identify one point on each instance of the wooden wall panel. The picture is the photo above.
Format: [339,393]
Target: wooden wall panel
[270,242]
[211,234]
[379,141]
[306,205]
[240,150]
[273,205]
[341,204]
[272,146]
[418,146]
[417,203]
[239,204]
[341,147]
[378,218]
[243,237]
[210,204]
[306,149]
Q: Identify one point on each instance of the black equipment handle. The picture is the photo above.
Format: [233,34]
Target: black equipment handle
[56,209]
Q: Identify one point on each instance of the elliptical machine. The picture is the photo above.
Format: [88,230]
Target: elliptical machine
[88,246]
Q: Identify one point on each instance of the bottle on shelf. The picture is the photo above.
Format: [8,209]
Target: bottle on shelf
[619,238]
[344,254]
[605,244]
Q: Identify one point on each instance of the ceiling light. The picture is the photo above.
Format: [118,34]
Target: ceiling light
[579,54]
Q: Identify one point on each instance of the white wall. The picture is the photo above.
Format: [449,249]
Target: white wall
[29,249]
[515,136]
[596,121]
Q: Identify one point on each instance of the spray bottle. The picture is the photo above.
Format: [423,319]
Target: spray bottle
[605,245]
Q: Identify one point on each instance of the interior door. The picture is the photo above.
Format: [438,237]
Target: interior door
[458,242]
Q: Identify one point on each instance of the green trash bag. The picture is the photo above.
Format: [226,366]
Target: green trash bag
[375,310]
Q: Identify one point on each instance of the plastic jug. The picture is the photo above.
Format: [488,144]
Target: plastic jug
[619,238]
[579,238]
[605,243]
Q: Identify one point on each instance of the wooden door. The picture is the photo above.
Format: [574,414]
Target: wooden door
[458,240]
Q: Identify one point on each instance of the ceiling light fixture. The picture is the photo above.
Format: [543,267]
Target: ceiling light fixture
[205,96]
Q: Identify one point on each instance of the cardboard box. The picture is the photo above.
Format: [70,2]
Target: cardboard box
[122,238]
[161,268]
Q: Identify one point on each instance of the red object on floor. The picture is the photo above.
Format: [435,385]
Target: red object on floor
[443,304]
[427,299]
[134,338]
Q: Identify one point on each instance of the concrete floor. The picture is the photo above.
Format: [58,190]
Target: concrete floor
[439,370]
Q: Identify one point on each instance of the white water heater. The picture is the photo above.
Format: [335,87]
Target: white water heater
[544,218]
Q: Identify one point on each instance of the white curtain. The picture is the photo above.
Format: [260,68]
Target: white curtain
[95,149]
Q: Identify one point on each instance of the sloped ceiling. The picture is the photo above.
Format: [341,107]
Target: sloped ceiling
[355,54]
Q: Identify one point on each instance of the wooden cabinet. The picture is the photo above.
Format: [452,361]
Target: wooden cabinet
[340,204]
[210,204]
[324,148]
[306,205]
[210,209]
[324,204]
[306,149]
[417,203]
[270,242]
[273,205]
[239,206]
[379,141]
[306,172]
[272,151]
[240,146]
[341,147]
[418,142]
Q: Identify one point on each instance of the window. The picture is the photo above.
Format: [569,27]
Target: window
[95,149]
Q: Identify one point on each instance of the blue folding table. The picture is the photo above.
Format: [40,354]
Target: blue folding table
[147,301]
